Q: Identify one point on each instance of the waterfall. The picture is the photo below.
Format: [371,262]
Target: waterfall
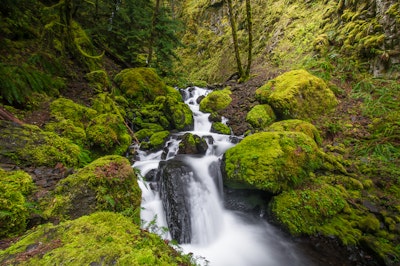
[218,235]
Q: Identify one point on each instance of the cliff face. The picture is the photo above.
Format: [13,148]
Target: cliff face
[289,34]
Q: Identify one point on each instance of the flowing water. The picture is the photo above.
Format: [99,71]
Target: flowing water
[218,236]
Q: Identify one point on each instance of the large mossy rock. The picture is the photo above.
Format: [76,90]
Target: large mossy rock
[15,187]
[271,161]
[260,116]
[298,94]
[305,211]
[108,134]
[216,101]
[29,145]
[296,125]
[103,238]
[141,84]
[108,183]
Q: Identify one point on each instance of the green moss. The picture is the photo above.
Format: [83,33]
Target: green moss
[105,103]
[271,161]
[304,211]
[382,248]
[67,128]
[29,145]
[108,134]
[157,140]
[65,108]
[298,94]
[141,84]
[101,238]
[369,224]
[220,128]
[296,125]
[216,101]
[108,183]
[260,116]
[178,113]
[15,186]
[99,80]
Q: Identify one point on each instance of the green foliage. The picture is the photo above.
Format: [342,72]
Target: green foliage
[108,183]
[216,101]
[156,141]
[17,83]
[272,161]
[14,209]
[303,211]
[298,94]
[101,238]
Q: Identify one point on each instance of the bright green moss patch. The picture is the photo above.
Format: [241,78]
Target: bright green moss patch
[108,183]
[142,84]
[216,101]
[220,128]
[108,134]
[297,126]
[29,145]
[260,116]
[15,186]
[68,109]
[271,161]
[156,141]
[303,211]
[298,94]
[67,128]
[102,238]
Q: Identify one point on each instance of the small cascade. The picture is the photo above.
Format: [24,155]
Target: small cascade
[184,194]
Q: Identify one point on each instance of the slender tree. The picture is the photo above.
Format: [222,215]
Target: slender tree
[243,74]
[153,32]
[232,21]
[250,37]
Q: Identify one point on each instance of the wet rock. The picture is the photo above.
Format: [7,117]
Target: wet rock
[192,144]
[174,178]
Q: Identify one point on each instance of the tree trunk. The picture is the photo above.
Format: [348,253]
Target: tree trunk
[153,32]
[6,115]
[235,38]
[250,37]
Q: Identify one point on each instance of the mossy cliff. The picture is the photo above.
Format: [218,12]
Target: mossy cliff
[291,34]
[100,238]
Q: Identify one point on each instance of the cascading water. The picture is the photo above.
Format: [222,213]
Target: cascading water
[220,236]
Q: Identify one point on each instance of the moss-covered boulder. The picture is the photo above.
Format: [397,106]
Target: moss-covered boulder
[220,128]
[103,238]
[108,183]
[29,145]
[298,94]
[63,108]
[99,80]
[297,125]
[260,116]
[304,211]
[192,144]
[156,141]
[271,161]
[108,134]
[141,84]
[15,187]
[216,101]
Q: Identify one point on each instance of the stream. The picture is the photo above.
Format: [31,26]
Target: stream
[183,199]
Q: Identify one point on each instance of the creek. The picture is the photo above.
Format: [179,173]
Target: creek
[183,198]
